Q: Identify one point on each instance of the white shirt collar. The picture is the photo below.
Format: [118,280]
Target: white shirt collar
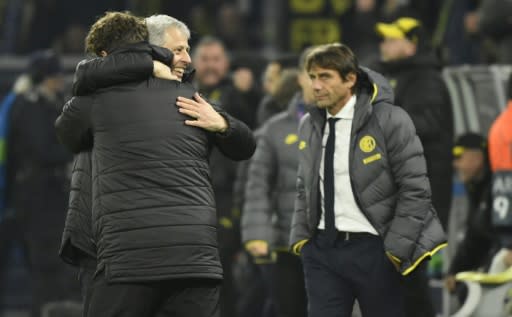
[347,112]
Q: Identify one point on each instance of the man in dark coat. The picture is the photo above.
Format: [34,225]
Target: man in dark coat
[414,73]
[37,177]
[154,219]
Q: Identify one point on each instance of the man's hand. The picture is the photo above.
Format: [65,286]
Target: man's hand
[160,70]
[257,248]
[205,116]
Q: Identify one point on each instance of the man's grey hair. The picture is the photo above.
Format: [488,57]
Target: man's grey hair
[158,24]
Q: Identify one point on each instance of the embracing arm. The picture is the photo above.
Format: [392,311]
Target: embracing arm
[125,65]
[233,137]
[237,142]
[74,126]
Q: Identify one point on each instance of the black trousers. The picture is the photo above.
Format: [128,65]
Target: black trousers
[418,299]
[287,287]
[176,298]
[86,278]
[338,273]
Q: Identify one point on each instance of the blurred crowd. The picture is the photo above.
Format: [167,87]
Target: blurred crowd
[465,31]
[248,57]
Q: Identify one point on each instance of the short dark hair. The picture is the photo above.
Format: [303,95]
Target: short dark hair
[114,30]
[334,56]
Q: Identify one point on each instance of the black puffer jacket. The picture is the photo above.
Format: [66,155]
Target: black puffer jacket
[422,93]
[389,179]
[77,239]
[153,208]
[130,63]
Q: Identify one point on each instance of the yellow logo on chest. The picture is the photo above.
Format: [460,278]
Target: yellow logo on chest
[367,144]
[291,138]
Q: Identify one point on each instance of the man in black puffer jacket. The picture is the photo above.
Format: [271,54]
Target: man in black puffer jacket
[153,207]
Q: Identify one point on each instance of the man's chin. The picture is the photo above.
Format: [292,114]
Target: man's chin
[321,105]
[179,76]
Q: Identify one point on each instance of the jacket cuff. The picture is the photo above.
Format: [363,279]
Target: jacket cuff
[230,124]
[297,247]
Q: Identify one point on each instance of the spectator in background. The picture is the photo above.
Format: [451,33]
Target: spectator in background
[471,163]
[493,20]
[270,196]
[500,156]
[214,81]
[11,235]
[414,72]
[276,100]
[500,136]
[38,180]
[459,37]
[286,87]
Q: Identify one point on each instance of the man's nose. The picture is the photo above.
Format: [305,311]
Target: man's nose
[187,58]
[316,84]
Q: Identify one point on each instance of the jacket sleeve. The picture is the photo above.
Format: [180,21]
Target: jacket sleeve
[237,142]
[117,68]
[409,171]
[258,207]
[299,228]
[74,124]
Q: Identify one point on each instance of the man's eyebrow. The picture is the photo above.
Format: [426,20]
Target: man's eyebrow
[182,47]
[324,74]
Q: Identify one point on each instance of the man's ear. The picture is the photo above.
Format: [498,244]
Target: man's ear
[351,78]
[103,53]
